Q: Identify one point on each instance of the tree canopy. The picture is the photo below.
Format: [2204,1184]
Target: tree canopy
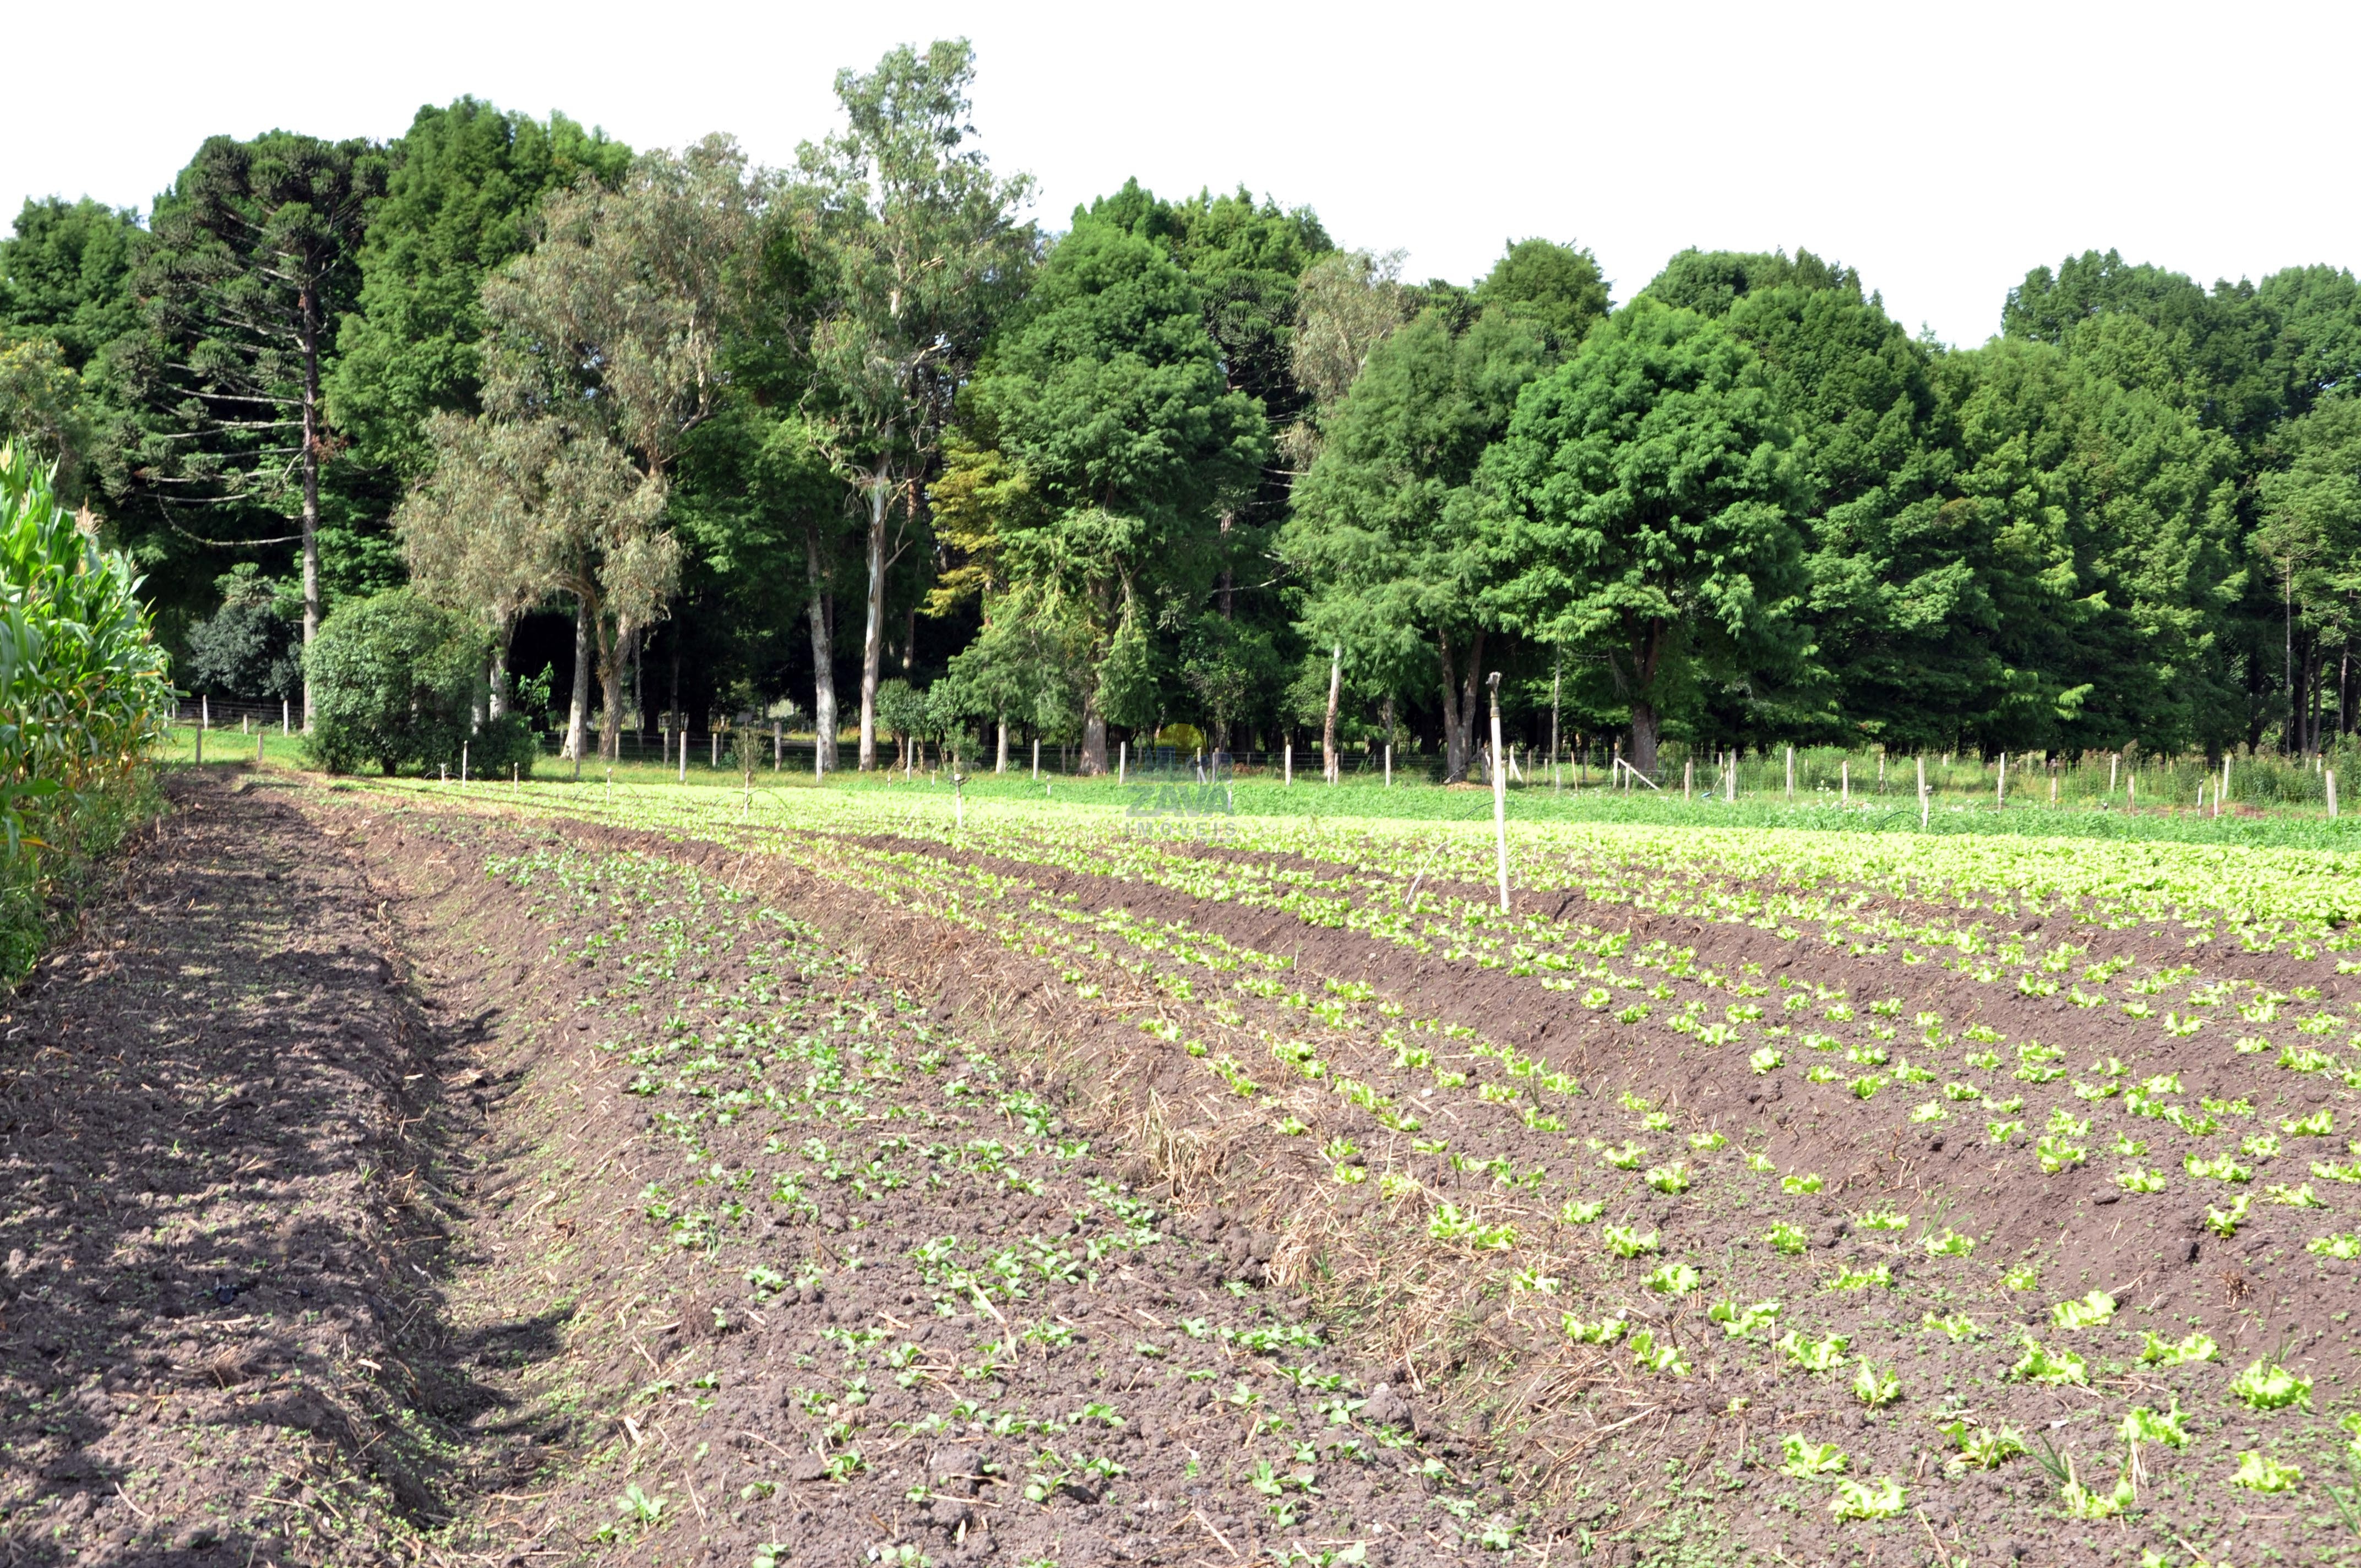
[647,424]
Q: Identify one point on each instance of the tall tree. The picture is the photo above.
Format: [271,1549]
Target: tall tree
[1247,260]
[924,248]
[616,323]
[2310,536]
[1109,395]
[1904,598]
[1558,288]
[480,532]
[254,262]
[1642,508]
[1346,304]
[1377,539]
[463,196]
[2109,513]
[66,273]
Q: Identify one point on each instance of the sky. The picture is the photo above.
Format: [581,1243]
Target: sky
[1942,149]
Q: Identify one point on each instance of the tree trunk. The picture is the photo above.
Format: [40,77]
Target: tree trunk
[872,641]
[1455,762]
[1229,585]
[2286,660]
[1328,729]
[2315,665]
[1470,680]
[578,717]
[1557,675]
[1000,762]
[497,699]
[1644,724]
[823,656]
[2346,683]
[1459,707]
[679,724]
[308,331]
[1647,652]
[1093,736]
[611,723]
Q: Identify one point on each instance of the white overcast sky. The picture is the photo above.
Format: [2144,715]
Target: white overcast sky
[1942,149]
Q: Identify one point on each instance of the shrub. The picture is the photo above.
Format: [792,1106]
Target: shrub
[250,647]
[393,683]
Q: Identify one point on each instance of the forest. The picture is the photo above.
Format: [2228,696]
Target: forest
[602,440]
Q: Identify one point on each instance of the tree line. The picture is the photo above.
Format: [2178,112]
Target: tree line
[677,435]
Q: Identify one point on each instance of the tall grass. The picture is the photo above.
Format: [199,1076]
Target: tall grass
[84,694]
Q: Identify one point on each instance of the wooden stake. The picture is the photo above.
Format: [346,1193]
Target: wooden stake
[1500,795]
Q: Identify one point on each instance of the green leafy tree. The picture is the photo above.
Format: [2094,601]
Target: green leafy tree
[516,509]
[2112,511]
[247,648]
[45,410]
[394,678]
[2311,538]
[1248,259]
[1109,394]
[1378,538]
[1904,600]
[615,326]
[462,197]
[1558,288]
[1642,509]
[66,273]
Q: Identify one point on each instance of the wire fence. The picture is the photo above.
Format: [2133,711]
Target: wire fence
[1825,775]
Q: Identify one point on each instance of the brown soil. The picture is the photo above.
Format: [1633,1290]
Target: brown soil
[347,1228]
[1504,1366]
[390,1184]
[210,1268]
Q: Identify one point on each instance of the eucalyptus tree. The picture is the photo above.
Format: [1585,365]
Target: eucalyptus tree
[923,247]
[614,326]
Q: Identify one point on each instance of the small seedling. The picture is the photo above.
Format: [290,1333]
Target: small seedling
[2261,1474]
[1806,1460]
[1878,1498]
[1875,1388]
[2267,1386]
